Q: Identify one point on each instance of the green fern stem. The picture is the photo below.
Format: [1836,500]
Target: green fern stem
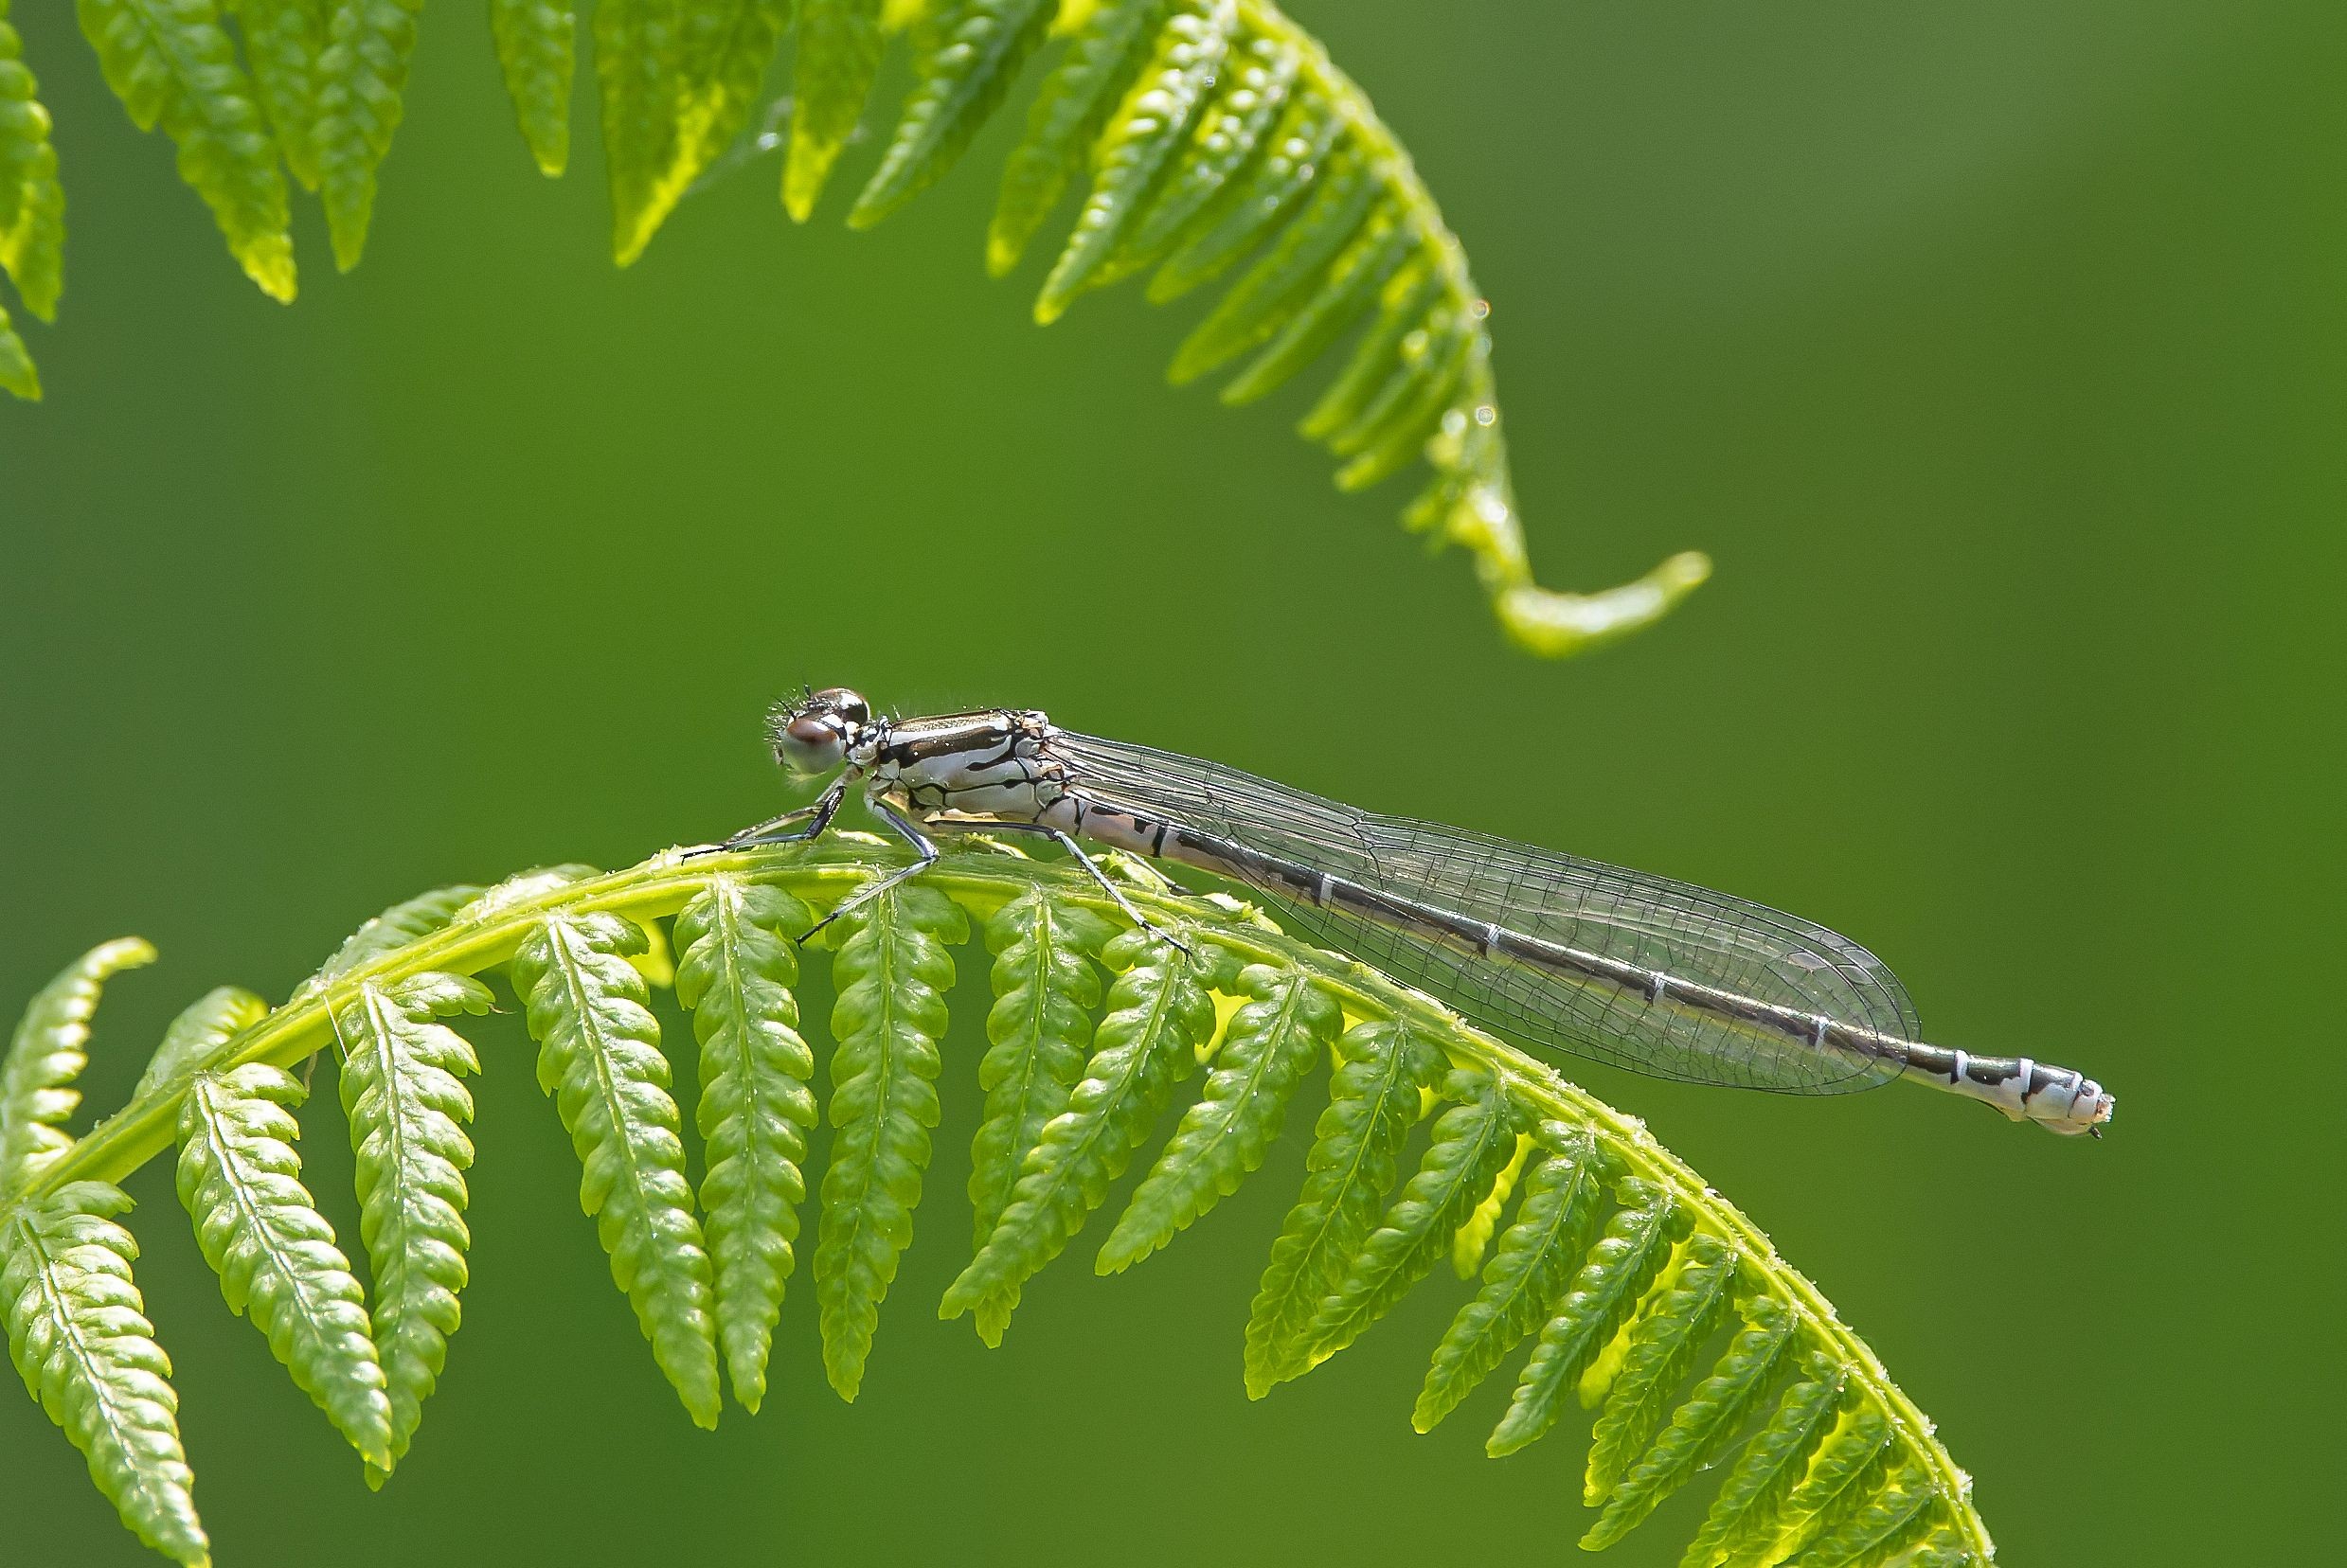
[823,874]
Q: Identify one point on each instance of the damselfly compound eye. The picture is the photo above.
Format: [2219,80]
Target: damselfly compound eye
[809,743]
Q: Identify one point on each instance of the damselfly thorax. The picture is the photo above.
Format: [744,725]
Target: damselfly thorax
[1552,950]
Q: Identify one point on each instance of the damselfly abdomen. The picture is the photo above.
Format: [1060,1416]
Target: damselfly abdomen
[1638,971]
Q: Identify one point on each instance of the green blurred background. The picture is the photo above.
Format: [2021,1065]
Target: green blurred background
[1995,351]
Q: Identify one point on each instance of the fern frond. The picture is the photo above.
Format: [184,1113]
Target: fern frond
[738,961]
[199,1035]
[1139,140]
[957,85]
[1471,1141]
[1159,1015]
[538,51]
[1843,1467]
[240,1179]
[1474,1237]
[1637,1242]
[1662,1342]
[1269,1044]
[47,1052]
[840,48]
[78,1333]
[892,975]
[1040,1036]
[1529,1274]
[599,1058]
[1069,108]
[407,1113]
[1704,1422]
[32,204]
[284,41]
[362,76]
[1374,1099]
[171,64]
[1753,1498]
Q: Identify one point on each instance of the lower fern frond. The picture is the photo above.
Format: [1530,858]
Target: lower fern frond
[1633,1273]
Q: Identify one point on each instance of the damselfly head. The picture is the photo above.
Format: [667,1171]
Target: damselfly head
[816,733]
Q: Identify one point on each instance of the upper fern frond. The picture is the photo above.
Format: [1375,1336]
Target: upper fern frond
[1209,140]
[1646,1294]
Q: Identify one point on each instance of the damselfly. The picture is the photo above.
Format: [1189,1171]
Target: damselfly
[1546,949]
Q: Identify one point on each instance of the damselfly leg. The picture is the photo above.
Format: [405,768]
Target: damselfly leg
[818,817]
[922,845]
[956,822]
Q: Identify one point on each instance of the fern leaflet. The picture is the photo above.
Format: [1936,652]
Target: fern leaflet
[361,76]
[285,39]
[200,1035]
[1474,1237]
[1619,1268]
[1258,77]
[1836,1473]
[1374,1099]
[737,965]
[839,49]
[1662,1342]
[79,1334]
[1139,140]
[957,85]
[1269,1045]
[599,1057]
[170,63]
[1702,1425]
[240,1179]
[1883,1516]
[408,1111]
[1752,1499]
[1159,1015]
[1527,1275]
[406,922]
[47,1052]
[893,973]
[32,204]
[1040,1035]
[1068,111]
[1471,1141]
[537,51]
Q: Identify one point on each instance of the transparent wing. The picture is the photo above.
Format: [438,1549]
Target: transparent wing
[1685,932]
